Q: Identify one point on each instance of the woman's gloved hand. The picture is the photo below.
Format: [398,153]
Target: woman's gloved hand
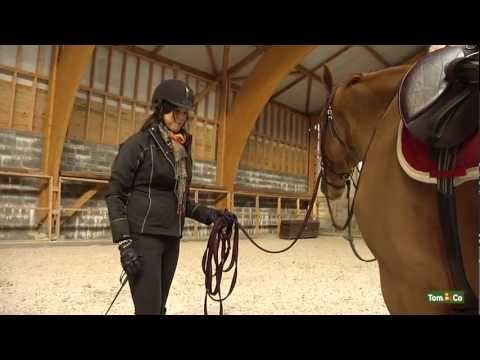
[130,260]
[229,217]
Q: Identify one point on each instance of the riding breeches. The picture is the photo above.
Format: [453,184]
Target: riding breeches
[150,287]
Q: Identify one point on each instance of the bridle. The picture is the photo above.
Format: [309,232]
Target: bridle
[346,176]
[326,163]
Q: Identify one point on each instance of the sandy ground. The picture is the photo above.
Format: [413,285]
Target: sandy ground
[317,276]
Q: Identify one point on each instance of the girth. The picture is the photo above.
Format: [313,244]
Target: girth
[448,219]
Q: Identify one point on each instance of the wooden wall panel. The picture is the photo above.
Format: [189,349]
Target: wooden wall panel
[210,138]
[141,115]
[127,125]
[6,92]
[40,114]
[251,152]
[110,125]
[23,106]
[260,153]
[78,119]
[95,120]
[200,144]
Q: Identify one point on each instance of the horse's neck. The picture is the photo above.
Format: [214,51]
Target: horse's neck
[374,96]
[384,84]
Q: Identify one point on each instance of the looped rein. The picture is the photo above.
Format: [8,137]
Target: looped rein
[215,259]
[218,250]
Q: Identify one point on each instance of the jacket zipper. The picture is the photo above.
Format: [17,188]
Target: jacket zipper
[175,172]
[149,192]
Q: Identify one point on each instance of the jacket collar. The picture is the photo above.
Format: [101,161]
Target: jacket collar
[154,132]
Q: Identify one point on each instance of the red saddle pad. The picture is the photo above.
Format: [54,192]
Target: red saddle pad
[417,155]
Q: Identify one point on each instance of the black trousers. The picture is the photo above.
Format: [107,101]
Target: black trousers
[150,288]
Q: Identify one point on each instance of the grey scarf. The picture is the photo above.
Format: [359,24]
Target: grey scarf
[180,155]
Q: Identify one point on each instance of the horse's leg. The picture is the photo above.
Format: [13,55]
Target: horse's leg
[401,227]
[404,295]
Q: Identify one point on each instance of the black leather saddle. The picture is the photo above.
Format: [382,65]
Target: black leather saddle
[439,97]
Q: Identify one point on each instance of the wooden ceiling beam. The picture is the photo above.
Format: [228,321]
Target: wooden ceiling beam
[288,86]
[308,73]
[331,57]
[309,91]
[212,59]
[247,60]
[157,49]
[412,60]
[324,62]
[162,59]
[376,55]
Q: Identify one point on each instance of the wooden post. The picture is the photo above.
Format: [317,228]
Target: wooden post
[12,99]
[50,207]
[109,66]
[47,130]
[223,117]
[104,118]
[64,81]
[35,85]
[257,214]
[195,226]
[279,213]
[229,201]
[59,209]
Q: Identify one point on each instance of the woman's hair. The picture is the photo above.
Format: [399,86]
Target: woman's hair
[157,115]
[152,120]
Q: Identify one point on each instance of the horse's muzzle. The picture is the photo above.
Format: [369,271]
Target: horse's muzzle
[331,192]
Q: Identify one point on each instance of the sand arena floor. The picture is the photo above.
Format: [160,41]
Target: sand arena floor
[317,276]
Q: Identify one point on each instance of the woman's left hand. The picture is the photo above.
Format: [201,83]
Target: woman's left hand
[229,217]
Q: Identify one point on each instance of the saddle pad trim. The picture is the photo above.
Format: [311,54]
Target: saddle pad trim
[427,177]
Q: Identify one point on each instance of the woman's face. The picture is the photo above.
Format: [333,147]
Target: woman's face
[175,120]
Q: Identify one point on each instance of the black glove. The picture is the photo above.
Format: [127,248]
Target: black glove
[131,262]
[229,217]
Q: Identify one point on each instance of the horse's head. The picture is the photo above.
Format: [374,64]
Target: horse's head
[338,156]
[347,121]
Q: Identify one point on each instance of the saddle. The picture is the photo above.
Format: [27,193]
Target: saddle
[438,103]
[439,97]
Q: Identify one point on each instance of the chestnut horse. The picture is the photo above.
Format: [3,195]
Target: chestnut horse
[397,216]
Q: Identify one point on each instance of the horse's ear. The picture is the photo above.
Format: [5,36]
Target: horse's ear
[355,79]
[328,78]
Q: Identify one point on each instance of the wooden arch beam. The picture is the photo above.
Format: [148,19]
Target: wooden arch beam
[72,61]
[66,73]
[272,68]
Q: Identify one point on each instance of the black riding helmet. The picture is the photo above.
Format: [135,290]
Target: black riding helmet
[173,94]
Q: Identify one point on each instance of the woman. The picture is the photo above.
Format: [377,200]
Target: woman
[148,200]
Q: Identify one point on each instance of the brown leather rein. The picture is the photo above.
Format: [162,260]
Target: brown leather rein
[220,248]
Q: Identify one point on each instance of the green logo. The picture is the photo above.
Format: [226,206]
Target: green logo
[446,297]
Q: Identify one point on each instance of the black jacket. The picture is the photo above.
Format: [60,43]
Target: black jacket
[141,196]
